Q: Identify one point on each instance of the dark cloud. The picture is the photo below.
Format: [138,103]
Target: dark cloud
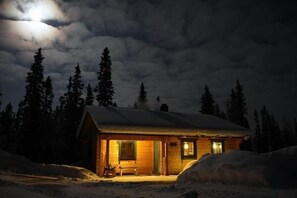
[174,47]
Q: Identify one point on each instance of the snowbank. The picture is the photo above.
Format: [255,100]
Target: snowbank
[276,169]
[19,164]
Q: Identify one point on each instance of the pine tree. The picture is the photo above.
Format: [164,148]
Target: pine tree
[78,86]
[218,112]
[7,135]
[33,116]
[295,132]
[71,108]
[18,122]
[265,140]
[275,133]
[47,137]
[238,108]
[258,137]
[142,100]
[105,87]
[135,105]
[0,97]
[90,95]
[48,96]
[157,103]
[287,134]
[207,102]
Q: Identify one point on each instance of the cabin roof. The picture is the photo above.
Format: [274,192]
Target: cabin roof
[138,121]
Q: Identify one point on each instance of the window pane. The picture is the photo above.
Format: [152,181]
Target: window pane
[189,148]
[217,147]
[127,151]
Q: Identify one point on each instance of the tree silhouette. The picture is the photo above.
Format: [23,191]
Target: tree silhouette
[258,137]
[238,108]
[70,110]
[48,96]
[33,115]
[105,87]
[90,95]
[157,103]
[207,102]
[0,97]
[7,135]
[142,100]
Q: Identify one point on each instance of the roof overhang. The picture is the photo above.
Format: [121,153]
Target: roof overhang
[140,130]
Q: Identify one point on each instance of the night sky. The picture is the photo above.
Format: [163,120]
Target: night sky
[174,47]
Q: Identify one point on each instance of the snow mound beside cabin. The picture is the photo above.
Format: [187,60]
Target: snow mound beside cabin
[19,164]
[276,169]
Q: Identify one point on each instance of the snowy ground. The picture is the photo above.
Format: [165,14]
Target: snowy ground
[17,186]
[21,178]
[277,169]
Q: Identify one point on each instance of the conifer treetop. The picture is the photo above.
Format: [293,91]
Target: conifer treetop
[105,87]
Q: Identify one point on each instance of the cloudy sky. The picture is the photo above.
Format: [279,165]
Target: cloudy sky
[174,47]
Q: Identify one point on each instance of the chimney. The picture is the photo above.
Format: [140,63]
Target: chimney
[164,107]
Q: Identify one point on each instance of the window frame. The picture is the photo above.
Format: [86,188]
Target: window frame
[126,158]
[183,156]
[217,140]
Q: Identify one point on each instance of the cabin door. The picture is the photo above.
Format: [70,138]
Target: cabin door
[157,157]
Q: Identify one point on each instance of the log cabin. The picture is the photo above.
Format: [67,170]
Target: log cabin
[147,142]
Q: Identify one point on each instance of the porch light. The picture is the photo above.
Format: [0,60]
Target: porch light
[186,145]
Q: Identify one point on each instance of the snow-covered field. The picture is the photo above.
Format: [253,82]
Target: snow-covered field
[276,169]
[18,179]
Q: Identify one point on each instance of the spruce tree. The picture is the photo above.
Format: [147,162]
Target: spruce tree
[275,133]
[71,108]
[258,137]
[0,97]
[295,132]
[78,86]
[265,140]
[157,103]
[47,137]
[18,122]
[33,116]
[135,105]
[48,96]
[142,100]
[105,87]
[238,108]
[218,112]
[90,95]
[7,135]
[207,102]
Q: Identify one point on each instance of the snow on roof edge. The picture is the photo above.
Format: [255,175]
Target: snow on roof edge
[124,128]
[141,130]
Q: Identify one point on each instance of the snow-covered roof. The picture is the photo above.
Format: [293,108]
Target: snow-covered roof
[138,121]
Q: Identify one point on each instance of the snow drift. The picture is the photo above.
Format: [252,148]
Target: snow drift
[19,164]
[276,169]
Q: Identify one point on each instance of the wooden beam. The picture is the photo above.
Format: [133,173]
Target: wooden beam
[132,137]
[164,158]
[107,152]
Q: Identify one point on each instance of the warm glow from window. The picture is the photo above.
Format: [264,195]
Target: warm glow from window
[189,149]
[217,147]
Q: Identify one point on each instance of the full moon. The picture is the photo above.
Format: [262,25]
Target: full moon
[35,15]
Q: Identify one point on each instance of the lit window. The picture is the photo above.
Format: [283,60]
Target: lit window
[127,150]
[188,149]
[217,147]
